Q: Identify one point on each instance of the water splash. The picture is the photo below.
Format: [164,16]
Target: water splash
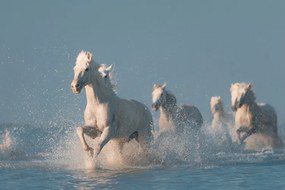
[6,145]
[57,146]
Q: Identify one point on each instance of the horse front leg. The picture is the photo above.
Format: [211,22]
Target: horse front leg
[239,131]
[247,132]
[104,139]
[89,131]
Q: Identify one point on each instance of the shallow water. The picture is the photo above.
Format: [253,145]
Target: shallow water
[51,158]
[268,175]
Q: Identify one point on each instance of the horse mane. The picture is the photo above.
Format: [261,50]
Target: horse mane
[112,82]
[251,94]
[170,98]
[237,87]
[82,57]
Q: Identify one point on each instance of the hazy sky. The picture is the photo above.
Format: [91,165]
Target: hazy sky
[198,47]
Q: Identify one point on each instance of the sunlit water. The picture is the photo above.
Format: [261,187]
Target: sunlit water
[51,157]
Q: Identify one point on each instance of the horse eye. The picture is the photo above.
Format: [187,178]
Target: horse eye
[86,69]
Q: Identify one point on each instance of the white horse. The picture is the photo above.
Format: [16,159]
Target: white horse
[252,119]
[173,117]
[221,118]
[222,122]
[106,115]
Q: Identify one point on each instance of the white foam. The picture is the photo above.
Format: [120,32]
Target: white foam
[167,150]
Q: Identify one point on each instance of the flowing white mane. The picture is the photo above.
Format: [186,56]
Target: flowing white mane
[82,58]
[238,88]
[109,75]
[241,92]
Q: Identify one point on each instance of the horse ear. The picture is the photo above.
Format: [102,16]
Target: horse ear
[164,85]
[249,86]
[89,56]
[109,68]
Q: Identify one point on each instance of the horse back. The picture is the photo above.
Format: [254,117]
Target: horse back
[133,115]
[192,115]
[268,115]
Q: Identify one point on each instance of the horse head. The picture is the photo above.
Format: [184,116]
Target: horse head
[216,104]
[158,96]
[82,71]
[241,94]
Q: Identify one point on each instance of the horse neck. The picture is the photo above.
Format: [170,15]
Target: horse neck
[249,107]
[218,114]
[97,93]
[221,112]
[250,99]
[168,108]
[165,113]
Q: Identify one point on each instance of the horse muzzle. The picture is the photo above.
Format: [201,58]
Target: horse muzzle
[75,87]
[234,108]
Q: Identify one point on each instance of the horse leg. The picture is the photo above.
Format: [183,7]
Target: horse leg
[239,131]
[90,131]
[134,135]
[247,132]
[104,139]
[80,132]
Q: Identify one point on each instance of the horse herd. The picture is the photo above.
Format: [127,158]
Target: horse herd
[109,117]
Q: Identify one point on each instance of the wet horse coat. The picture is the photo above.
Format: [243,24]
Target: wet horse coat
[173,117]
[106,115]
[253,119]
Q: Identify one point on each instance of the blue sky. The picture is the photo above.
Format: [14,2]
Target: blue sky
[198,47]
